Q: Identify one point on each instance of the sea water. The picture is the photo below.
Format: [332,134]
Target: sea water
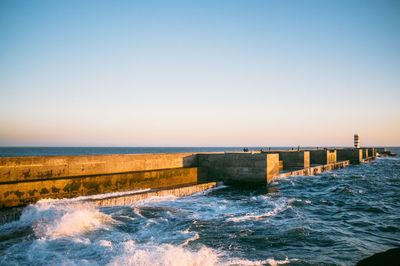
[335,218]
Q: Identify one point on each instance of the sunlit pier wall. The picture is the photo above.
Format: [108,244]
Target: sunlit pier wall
[325,156]
[293,160]
[25,180]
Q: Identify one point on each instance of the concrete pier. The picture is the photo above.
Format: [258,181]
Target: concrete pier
[179,191]
[316,169]
[248,168]
[292,160]
[25,180]
[355,156]
[50,167]
[365,154]
[380,150]
[26,192]
[322,156]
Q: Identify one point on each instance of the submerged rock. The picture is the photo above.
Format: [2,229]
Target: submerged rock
[387,258]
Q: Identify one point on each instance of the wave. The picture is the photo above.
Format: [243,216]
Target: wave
[166,254]
[109,195]
[279,206]
[169,255]
[52,219]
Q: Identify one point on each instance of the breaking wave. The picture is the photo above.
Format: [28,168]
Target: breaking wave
[59,218]
[296,220]
[166,254]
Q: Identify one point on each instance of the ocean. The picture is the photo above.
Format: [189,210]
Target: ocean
[335,218]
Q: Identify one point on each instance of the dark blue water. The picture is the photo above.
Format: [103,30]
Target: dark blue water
[336,218]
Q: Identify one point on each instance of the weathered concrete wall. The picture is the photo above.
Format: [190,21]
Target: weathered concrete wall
[293,159]
[25,180]
[365,153]
[22,193]
[353,155]
[316,169]
[176,191]
[371,152]
[13,214]
[322,156]
[235,168]
[380,150]
[47,167]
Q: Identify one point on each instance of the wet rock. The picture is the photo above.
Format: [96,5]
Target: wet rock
[387,258]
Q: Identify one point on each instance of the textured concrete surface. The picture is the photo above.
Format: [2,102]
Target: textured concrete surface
[22,193]
[353,155]
[371,152]
[365,154]
[48,167]
[316,169]
[25,180]
[322,156]
[380,150]
[13,214]
[237,168]
[174,191]
[292,160]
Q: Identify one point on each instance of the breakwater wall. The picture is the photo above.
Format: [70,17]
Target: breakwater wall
[25,180]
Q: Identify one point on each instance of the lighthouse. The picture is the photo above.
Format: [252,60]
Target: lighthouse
[356,141]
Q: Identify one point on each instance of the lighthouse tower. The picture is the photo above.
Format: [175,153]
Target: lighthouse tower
[356,141]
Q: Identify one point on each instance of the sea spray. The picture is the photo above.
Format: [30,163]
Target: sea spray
[52,219]
[322,219]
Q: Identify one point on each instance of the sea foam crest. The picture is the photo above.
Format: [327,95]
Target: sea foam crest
[53,219]
[165,254]
[169,255]
[279,206]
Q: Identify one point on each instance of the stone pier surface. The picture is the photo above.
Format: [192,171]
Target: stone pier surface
[292,160]
[322,156]
[316,169]
[25,180]
[179,191]
[51,167]
[353,155]
[356,155]
[236,168]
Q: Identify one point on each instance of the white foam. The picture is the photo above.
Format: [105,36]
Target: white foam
[194,238]
[155,199]
[76,220]
[165,254]
[108,195]
[105,243]
[53,219]
[252,216]
[169,255]
[137,212]
[270,261]
[274,262]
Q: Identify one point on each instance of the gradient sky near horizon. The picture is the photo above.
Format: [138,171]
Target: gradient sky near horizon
[199,73]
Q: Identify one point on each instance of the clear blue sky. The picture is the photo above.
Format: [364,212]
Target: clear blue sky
[204,73]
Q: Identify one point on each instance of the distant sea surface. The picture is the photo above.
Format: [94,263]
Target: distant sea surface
[58,151]
[335,218]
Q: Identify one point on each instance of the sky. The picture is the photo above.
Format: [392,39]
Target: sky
[199,73]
